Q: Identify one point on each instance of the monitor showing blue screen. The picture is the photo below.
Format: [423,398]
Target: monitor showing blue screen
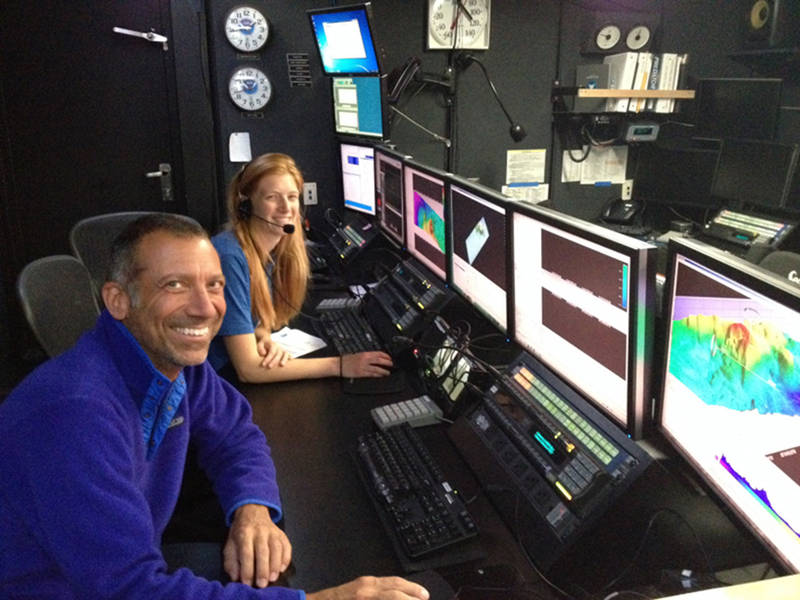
[344,40]
[358,177]
[358,106]
[730,397]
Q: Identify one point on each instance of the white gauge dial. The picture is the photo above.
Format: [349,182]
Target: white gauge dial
[638,37]
[607,37]
[468,20]
[249,88]
[246,28]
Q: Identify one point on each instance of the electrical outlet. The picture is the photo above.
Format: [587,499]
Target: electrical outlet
[627,190]
[309,193]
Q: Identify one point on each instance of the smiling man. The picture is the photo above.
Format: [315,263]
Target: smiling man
[93,444]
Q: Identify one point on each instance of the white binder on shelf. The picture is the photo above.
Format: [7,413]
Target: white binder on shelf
[621,74]
[643,66]
[667,81]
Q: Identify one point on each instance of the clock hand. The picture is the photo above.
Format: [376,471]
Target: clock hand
[464,8]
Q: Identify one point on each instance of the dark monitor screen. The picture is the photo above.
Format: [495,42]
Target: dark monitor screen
[358,106]
[425,220]
[754,173]
[737,107]
[344,40]
[730,396]
[479,257]
[584,300]
[675,176]
[358,177]
[389,199]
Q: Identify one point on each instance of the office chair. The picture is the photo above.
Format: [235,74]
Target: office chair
[58,300]
[90,240]
[784,263]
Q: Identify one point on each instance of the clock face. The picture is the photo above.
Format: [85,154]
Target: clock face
[468,21]
[638,37]
[249,88]
[246,28]
[607,37]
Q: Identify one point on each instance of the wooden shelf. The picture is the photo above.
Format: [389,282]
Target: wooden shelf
[608,93]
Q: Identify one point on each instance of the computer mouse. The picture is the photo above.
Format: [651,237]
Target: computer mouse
[436,585]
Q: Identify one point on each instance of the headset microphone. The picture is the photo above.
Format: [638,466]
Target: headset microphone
[246,211]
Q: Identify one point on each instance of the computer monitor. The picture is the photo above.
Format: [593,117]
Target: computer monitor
[675,176]
[584,304]
[754,173]
[479,251]
[344,39]
[358,176]
[389,199]
[358,106]
[731,382]
[425,225]
[738,107]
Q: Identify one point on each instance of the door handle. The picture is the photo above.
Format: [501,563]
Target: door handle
[165,174]
[150,36]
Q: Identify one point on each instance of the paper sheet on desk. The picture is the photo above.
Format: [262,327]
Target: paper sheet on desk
[297,342]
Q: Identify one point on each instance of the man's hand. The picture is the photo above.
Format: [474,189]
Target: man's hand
[374,588]
[257,550]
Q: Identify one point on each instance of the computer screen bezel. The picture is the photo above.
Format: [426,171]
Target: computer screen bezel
[772,89]
[759,281]
[411,164]
[382,135]
[497,199]
[342,143]
[741,201]
[692,195]
[364,11]
[641,317]
[400,157]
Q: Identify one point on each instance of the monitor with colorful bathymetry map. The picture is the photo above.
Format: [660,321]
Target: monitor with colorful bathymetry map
[426,237]
[730,397]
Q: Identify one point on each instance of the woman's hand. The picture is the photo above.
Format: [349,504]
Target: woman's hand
[366,364]
[272,353]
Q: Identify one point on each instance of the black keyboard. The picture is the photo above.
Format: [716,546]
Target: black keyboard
[349,331]
[419,509]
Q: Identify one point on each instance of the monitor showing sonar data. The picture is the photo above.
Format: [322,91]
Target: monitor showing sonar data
[730,398]
[426,238]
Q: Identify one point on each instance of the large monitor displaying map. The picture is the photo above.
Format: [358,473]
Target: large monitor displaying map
[730,398]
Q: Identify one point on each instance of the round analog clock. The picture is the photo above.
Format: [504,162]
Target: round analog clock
[249,88]
[607,37]
[638,37]
[463,24]
[246,28]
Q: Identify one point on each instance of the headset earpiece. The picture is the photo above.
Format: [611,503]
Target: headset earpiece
[245,209]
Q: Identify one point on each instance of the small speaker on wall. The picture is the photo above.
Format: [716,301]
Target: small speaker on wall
[771,23]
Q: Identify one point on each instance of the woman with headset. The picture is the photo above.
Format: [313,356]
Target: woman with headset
[266,269]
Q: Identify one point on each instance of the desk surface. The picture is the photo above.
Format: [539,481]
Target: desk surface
[335,532]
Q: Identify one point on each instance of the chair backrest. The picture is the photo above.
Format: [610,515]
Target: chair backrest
[784,263]
[58,299]
[90,240]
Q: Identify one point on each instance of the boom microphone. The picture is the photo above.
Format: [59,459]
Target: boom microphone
[287,228]
[246,211]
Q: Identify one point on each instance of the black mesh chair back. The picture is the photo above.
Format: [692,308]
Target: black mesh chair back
[58,299]
[90,240]
[784,263]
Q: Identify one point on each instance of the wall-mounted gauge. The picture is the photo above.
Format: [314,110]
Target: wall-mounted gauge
[469,21]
